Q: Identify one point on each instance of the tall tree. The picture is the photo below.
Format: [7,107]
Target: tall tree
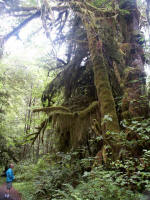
[104,62]
[117,58]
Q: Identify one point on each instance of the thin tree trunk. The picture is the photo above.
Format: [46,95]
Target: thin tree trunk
[38,148]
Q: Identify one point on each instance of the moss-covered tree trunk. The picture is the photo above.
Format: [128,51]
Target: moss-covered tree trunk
[107,106]
[100,69]
[134,103]
[102,83]
[117,60]
[115,52]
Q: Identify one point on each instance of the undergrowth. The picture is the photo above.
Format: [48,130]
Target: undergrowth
[71,176]
[75,181]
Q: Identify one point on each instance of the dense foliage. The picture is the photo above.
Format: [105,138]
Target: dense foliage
[70,178]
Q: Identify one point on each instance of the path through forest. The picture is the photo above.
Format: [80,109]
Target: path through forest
[14,195]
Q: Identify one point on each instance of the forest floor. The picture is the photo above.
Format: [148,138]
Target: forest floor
[21,190]
[14,194]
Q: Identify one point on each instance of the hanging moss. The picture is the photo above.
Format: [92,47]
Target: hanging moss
[113,50]
[51,109]
[72,128]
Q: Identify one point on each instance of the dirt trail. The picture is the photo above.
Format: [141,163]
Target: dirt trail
[14,195]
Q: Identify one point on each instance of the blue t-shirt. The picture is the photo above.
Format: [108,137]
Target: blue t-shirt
[9,175]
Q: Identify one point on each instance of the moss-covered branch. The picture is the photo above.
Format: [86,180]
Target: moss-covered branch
[51,109]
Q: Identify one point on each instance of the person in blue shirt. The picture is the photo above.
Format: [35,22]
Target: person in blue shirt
[9,179]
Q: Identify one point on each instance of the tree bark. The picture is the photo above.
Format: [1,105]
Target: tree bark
[113,46]
[135,101]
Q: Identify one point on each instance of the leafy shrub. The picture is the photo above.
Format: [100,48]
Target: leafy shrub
[57,176]
[27,170]
[72,177]
[99,184]
[65,181]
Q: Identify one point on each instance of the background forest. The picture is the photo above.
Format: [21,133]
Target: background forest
[74,98]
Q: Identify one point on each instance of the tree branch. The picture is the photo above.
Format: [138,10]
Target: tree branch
[22,15]
[20,26]
[51,109]
[59,8]
[26,21]
[23,9]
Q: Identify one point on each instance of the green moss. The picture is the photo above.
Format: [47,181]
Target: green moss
[91,108]
[112,49]
[51,109]
[128,69]
[104,92]
[126,115]
[71,128]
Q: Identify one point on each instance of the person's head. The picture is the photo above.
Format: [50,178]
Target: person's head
[11,165]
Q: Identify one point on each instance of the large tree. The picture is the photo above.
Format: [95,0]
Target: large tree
[101,78]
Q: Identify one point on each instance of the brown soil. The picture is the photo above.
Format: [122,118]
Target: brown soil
[14,195]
